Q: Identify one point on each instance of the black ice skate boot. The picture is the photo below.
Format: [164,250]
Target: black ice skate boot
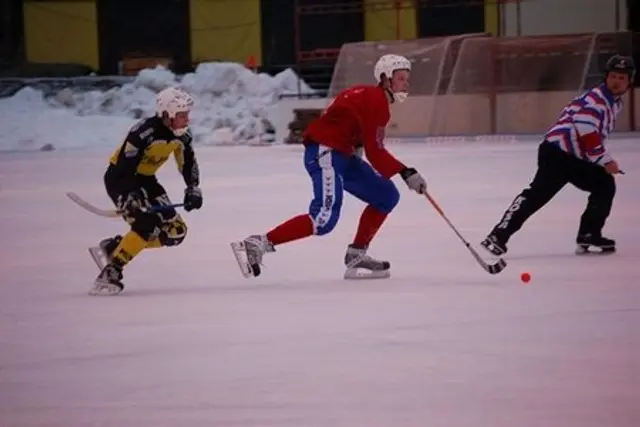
[357,258]
[494,245]
[588,241]
[101,254]
[109,281]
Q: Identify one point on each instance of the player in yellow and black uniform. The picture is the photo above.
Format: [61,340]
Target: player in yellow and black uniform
[132,185]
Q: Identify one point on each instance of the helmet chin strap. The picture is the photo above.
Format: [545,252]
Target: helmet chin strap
[398,97]
[180,132]
[177,132]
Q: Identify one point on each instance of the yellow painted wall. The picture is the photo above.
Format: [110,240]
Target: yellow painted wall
[491,24]
[225,30]
[382,24]
[61,32]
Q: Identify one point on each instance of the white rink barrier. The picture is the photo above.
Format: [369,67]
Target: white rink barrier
[465,139]
[495,139]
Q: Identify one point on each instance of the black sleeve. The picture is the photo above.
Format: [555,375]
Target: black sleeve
[187,164]
[126,166]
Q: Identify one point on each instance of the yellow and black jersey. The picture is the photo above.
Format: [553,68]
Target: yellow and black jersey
[148,145]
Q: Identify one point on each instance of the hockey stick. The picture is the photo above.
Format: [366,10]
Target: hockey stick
[490,268]
[114,213]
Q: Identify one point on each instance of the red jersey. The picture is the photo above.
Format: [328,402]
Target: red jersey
[357,117]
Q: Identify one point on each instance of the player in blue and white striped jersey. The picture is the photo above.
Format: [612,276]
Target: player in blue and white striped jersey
[574,151]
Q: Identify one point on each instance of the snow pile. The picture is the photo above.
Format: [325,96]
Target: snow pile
[29,123]
[234,105]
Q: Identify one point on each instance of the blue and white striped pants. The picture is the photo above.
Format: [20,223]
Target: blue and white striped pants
[332,173]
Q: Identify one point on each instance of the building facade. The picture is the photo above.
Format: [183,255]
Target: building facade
[101,33]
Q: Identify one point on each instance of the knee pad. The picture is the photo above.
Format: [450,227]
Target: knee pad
[388,198]
[147,225]
[167,214]
[173,233]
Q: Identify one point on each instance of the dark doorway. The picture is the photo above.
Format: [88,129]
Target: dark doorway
[338,24]
[449,17]
[278,46]
[633,24]
[127,28]
[11,30]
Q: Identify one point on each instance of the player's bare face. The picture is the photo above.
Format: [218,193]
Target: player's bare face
[618,83]
[180,121]
[400,81]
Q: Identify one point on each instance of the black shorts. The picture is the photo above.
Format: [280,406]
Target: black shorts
[152,190]
[149,184]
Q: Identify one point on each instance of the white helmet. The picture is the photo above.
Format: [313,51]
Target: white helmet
[172,101]
[386,65]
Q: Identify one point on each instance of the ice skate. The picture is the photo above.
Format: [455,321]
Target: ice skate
[586,243]
[249,253]
[108,282]
[356,260]
[494,245]
[101,254]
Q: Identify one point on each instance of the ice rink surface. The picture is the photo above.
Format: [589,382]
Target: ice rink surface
[440,344]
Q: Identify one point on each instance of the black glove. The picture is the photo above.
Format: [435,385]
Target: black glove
[414,180]
[133,202]
[192,198]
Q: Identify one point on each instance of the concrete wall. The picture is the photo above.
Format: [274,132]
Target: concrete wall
[529,112]
[538,17]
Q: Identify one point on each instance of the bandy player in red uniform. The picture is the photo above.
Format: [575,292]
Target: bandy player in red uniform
[355,119]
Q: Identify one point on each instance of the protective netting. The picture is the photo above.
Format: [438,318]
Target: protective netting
[511,85]
[431,59]
[474,84]
[356,61]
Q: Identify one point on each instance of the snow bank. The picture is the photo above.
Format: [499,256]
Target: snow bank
[234,105]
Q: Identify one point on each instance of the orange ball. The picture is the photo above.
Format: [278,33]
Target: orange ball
[525,277]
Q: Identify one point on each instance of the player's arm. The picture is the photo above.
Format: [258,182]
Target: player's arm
[128,160]
[373,133]
[187,163]
[588,122]
[188,166]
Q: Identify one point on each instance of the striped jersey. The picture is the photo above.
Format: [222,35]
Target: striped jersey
[593,111]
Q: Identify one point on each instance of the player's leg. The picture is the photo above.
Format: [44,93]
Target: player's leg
[103,251]
[381,196]
[145,228]
[602,188]
[549,179]
[324,167]
[173,228]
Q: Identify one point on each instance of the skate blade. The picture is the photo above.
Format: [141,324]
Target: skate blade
[363,274]
[105,289]
[98,257]
[241,257]
[585,250]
